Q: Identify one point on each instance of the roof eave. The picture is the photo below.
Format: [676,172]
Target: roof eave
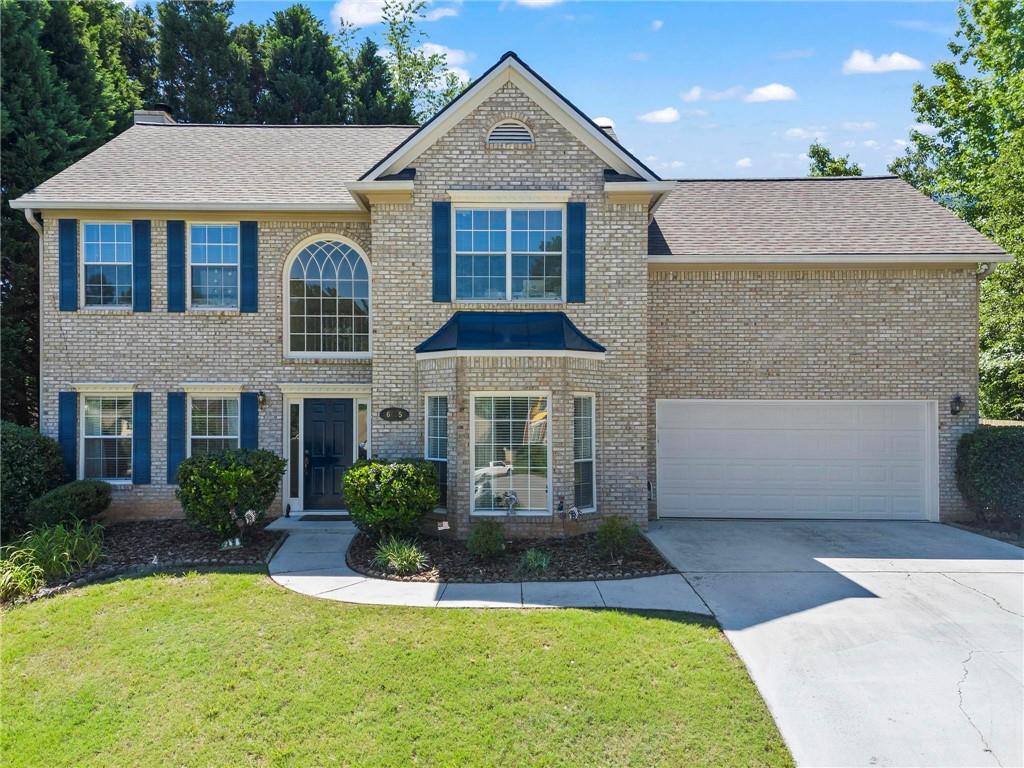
[136,205]
[832,258]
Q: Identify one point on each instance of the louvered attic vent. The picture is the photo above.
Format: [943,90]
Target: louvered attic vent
[510,132]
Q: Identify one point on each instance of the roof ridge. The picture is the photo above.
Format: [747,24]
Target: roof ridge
[270,125]
[792,178]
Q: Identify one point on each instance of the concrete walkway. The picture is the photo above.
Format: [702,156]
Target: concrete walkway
[312,561]
[873,643]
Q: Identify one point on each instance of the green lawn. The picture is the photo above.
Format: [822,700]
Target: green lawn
[230,669]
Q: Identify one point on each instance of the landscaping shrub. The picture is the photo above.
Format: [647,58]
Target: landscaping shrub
[616,537]
[390,498]
[399,556]
[19,574]
[990,474]
[534,562]
[77,500]
[46,553]
[228,491]
[30,465]
[486,539]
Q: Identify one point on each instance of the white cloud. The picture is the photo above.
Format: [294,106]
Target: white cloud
[797,53]
[744,162]
[656,25]
[697,93]
[848,144]
[639,56]
[666,115]
[363,13]
[900,143]
[863,63]
[695,113]
[651,159]
[925,128]
[814,132]
[537,3]
[871,144]
[129,3]
[771,92]
[920,25]
[456,58]
[866,125]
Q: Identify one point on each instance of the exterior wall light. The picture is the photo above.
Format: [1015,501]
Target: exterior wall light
[261,399]
[956,404]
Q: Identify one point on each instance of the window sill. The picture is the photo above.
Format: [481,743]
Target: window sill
[359,357]
[214,311]
[91,309]
[532,515]
[514,303]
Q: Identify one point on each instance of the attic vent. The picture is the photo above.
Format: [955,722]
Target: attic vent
[510,132]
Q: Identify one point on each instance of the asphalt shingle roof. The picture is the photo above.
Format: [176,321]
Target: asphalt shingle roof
[181,166]
[809,216]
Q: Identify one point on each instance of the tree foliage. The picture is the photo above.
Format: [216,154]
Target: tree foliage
[969,155]
[824,163]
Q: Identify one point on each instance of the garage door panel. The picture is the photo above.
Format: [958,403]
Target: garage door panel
[836,459]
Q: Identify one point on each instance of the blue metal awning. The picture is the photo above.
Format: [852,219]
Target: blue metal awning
[539,332]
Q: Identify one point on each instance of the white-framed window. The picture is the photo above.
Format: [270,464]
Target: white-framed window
[436,448]
[107,437]
[328,310]
[213,266]
[107,263]
[509,253]
[511,453]
[583,451]
[213,423]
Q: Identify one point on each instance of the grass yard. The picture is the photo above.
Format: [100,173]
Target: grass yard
[230,669]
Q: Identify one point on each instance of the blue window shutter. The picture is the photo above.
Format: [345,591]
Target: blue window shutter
[141,266]
[67,431]
[176,266]
[248,299]
[67,234]
[176,434]
[142,420]
[249,427]
[442,248]
[576,252]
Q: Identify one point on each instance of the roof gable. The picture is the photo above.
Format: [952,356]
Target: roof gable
[511,69]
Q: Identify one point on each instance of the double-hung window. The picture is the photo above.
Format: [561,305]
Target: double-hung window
[107,438]
[510,445]
[107,264]
[583,450]
[213,264]
[509,254]
[436,447]
[213,424]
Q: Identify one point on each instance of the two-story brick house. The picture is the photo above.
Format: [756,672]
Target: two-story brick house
[505,290]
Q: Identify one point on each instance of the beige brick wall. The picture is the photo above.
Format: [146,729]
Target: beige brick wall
[825,333]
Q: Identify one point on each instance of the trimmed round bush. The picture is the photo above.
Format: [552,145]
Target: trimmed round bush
[390,498]
[30,465]
[990,474]
[616,536]
[77,500]
[228,491]
[486,539]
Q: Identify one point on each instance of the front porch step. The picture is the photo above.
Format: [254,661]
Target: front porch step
[295,524]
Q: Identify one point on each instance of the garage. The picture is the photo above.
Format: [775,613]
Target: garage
[827,459]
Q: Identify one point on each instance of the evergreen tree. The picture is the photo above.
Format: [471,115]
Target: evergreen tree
[41,132]
[249,39]
[307,82]
[138,51]
[374,99]
[203,71]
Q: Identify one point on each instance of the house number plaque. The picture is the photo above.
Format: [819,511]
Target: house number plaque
[394,414]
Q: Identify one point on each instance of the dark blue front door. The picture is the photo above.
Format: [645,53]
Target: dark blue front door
[327,451]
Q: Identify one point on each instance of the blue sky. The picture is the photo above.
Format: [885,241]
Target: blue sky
[704,89]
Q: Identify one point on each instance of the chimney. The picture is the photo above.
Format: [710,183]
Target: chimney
[607,125]
[160,114]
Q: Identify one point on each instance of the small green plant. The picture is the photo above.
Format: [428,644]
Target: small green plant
[534,562]
[77,500]
[486,539]
[990,474]
[19,575]
[390,498]
[229,491]
[616,537]
[30,465]
[399,556]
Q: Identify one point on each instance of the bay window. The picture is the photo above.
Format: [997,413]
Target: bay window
[510,453]
[436,448]
[583,451]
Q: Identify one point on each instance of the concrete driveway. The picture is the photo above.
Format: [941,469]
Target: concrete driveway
[873,643]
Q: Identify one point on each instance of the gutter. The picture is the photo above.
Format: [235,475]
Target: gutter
[30,217]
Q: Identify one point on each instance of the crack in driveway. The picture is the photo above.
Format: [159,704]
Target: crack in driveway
[960,703]
[985,594]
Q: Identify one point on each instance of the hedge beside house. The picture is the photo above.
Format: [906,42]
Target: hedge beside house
[30,465]
[990,474]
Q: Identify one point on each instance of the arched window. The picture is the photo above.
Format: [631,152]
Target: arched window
[510,132]
[328,301]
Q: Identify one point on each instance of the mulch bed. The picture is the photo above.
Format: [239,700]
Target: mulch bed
[573,559]
[145,545]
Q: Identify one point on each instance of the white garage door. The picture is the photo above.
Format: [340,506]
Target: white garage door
[840,459]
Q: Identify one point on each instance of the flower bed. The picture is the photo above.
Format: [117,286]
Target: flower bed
[572,559]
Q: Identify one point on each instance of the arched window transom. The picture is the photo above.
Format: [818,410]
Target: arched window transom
[328,300]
